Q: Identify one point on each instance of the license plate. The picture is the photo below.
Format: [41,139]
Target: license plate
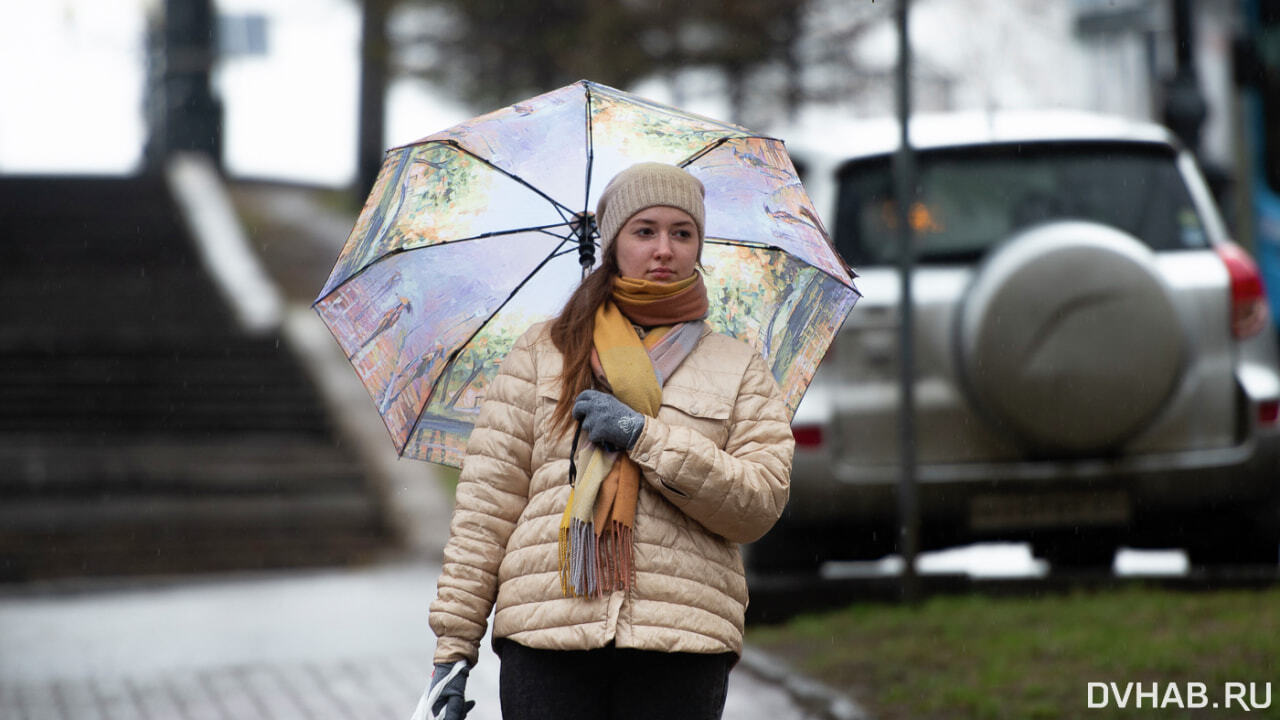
[1048,510]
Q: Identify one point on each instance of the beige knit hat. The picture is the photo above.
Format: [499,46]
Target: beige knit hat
[646,185]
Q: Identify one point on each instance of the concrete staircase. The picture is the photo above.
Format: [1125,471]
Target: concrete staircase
[140,429]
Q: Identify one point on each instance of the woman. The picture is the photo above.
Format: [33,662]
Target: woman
[618,578]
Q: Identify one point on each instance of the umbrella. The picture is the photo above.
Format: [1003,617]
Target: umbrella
[474,233]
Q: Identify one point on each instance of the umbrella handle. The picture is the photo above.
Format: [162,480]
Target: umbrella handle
[573,454]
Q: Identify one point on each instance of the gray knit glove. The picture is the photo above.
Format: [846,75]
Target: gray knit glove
[608,421]
[445,698]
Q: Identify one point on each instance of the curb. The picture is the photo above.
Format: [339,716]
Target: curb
[206,208]
[416,505]
[815,698]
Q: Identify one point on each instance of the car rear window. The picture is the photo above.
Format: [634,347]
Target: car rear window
[972,198]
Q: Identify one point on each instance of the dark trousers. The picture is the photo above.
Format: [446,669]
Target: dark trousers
[611,683]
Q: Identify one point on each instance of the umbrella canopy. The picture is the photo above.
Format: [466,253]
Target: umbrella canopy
[472,234]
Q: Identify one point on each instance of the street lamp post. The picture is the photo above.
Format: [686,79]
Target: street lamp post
[904,190]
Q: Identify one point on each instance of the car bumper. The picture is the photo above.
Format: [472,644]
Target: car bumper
[977,501]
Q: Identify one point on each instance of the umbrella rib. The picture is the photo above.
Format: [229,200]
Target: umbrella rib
[705,150]
[398,251]
[743,243]
[562,253]
[453,356]
[709,147]
[563,238]
[558,205]
[591,152]
[784,251]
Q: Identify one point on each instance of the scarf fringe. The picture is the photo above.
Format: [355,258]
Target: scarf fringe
[592,565]
[578,566]
[613,558]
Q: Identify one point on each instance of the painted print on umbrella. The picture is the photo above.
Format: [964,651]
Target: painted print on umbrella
[777,304]
[755,196]
[400,321]
[626,130]
[468,238]
[441,431]
[435,194]
[519,139]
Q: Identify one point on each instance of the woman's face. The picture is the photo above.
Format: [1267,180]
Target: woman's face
[659,244]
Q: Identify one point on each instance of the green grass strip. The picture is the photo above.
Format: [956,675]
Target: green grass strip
[1033,658]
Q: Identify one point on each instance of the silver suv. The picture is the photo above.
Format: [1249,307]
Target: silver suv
[1096,365]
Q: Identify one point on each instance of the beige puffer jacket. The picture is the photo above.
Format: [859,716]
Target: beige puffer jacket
[717,464]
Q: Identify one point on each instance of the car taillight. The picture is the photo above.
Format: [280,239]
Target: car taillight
[1249,314]
[1268,412]
[807,435]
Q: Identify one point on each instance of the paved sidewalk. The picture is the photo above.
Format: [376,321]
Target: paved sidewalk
[340,644]
[344,644]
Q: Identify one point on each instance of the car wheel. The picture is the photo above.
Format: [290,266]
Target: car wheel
[1076,554]
[782,553]
[1068,339]
[1227,550]
[1243,536]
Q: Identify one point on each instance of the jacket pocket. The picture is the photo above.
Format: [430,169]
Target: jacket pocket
[706,414]
[547,447]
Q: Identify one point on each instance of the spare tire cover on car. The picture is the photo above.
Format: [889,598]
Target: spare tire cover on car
[1068,337]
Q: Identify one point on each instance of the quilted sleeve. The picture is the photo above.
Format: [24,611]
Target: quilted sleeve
[492,492]
[737,491]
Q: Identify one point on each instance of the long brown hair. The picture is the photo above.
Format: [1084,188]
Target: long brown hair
[572,332]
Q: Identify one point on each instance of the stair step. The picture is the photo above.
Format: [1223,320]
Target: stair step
[43,466]
[176,517]
[88,221]
[213,392]
[238,366]
[181,425]
[152,305]
[244,385]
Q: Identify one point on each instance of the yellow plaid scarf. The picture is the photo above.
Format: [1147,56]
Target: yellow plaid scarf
[598,521]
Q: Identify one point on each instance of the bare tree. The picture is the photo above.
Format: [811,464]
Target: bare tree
[773,55]
[493,52]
